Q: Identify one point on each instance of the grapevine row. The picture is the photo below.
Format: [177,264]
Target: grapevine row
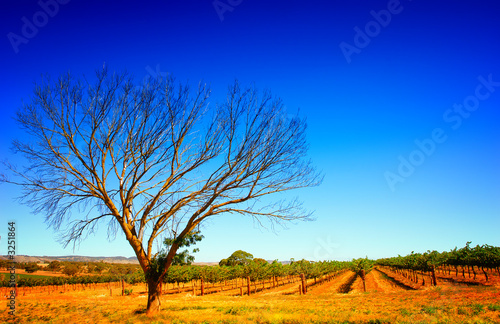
[256,271]
[485,258]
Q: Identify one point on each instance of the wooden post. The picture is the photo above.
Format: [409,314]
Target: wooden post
[202,287]
[248,285]
[123,287]
[303,279]
[300,289]
[434,279]
[241,291]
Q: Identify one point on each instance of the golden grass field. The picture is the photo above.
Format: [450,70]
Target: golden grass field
[384,302]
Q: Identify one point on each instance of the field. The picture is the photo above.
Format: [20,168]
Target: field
[341,300]
[19,274]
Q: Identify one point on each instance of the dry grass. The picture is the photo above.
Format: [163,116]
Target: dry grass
[323,304]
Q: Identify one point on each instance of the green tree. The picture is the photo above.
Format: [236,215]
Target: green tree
[237,258]
[31,267]
[54,266]
[5,264]
[71,269]
[99,267]
[260,260]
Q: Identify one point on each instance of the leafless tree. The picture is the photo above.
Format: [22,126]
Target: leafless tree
[155,159]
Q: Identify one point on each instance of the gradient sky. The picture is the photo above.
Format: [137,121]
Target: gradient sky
[373,78]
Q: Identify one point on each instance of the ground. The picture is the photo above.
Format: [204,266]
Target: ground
[341,300]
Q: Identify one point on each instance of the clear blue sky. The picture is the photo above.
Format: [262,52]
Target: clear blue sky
[373,78]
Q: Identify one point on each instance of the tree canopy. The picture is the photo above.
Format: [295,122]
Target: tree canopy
[237,258]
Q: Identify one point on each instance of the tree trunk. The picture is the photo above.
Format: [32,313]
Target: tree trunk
[362,274]
[485,274]
[154,294]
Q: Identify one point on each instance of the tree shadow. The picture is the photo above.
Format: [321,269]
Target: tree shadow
[140,311]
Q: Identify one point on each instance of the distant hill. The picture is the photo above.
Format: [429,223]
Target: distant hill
[77,258]
[206,263]
[81,258]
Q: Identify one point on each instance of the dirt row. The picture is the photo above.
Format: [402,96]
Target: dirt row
[332,286]
[349,282]
[377,281]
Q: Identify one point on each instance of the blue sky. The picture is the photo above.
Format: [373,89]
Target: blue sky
[373,79]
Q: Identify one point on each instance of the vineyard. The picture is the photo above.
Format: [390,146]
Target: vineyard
[199,280]
[463,280]
[478,265]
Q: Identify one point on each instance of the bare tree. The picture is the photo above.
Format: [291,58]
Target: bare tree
[153,160]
